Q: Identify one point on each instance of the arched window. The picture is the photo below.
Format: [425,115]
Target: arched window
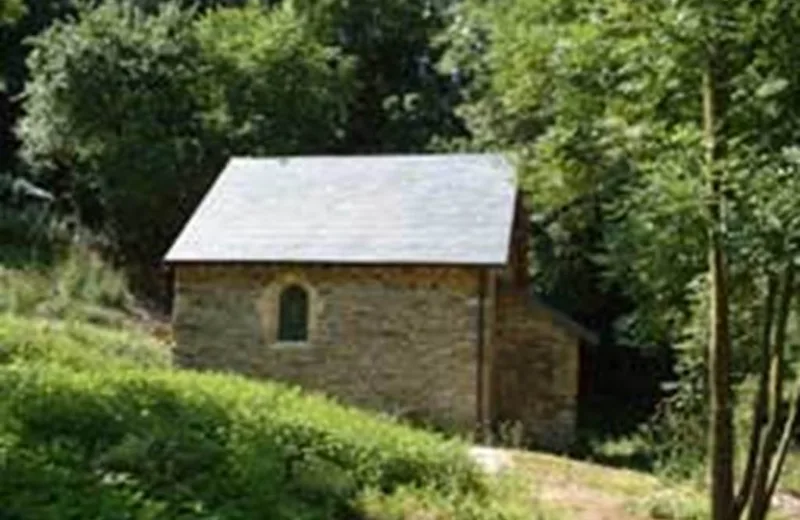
[293,314]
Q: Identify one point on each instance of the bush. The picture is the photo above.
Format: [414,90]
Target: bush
[179,444]
[76,345]
[84,276]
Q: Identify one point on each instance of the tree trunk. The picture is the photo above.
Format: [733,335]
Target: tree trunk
[760,402]
[767,463]
[720,439]
[786,440]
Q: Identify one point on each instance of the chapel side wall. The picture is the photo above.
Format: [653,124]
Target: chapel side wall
[535,361]
[535,373]
[398,339]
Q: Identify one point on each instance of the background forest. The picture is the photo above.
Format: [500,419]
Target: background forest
[115,116]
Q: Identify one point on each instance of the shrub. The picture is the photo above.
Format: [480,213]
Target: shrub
[77,345]
[172,443]
[21,291]
[84,276]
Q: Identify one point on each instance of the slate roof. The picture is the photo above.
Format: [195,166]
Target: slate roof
[415,209]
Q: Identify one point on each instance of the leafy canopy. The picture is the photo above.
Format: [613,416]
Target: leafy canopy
[133,112]
[601,103]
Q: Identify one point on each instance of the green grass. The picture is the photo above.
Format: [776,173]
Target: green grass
[77,345]
[182,441]
[666,494]
[790,480]
[508,499]
[615,491]
[79,287]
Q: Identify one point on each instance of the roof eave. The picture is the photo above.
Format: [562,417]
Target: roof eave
[353,263]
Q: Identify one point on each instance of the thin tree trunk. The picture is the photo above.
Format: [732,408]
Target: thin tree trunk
[786,441]
[720,439]
[759,495]
[721,434]
[760,402]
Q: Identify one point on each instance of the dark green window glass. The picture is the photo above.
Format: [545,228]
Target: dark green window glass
[293,320]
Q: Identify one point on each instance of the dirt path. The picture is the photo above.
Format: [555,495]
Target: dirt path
[581,490]
[788,503]
[582,503]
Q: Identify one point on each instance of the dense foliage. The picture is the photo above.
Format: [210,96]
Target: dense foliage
[10,11]
[170,97]
[178,87]
[77,345]
[601,101]
[663,137]
[401,101]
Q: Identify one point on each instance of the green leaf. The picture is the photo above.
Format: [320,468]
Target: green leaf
[772,88]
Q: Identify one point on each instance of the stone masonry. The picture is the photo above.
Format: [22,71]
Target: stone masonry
[535,376]
[399,339]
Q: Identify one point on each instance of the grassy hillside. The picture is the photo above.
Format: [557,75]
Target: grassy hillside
[95,423]
[206,446]
[79,286]
[77,345]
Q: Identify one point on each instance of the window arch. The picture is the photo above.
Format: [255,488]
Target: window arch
[293,314]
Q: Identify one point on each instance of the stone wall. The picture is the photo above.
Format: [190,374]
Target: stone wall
[534,360]
[535,371]
[400,339]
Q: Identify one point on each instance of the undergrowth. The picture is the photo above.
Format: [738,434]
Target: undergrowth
[78,286]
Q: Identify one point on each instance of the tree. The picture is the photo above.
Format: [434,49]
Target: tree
[400,100]
[524,94]
[271,87]
[23,18]
[134,143]
[680,119]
